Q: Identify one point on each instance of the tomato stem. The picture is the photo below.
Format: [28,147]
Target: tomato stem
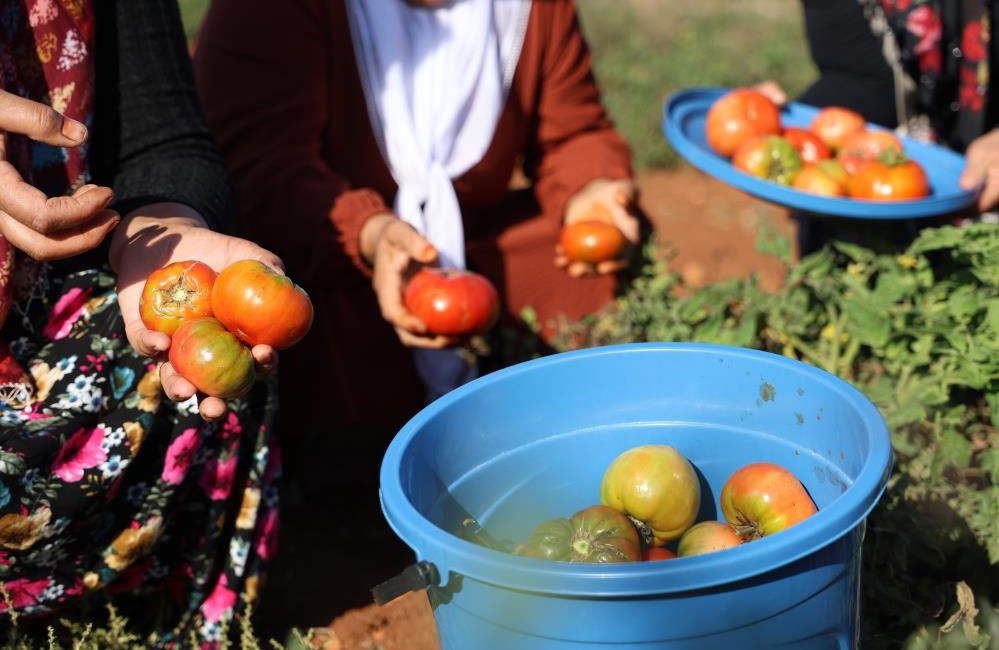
[644,531]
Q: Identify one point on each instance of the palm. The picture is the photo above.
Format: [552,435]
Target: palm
[156,246]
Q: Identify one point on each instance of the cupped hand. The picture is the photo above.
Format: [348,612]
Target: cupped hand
[48,228]
[160,234]
[396,251]
[982,170]
[611,201]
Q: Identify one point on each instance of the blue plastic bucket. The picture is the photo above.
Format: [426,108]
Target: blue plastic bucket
[532,442]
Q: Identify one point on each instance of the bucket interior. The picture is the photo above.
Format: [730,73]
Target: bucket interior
[532,442]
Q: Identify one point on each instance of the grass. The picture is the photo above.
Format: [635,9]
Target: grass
[644,50]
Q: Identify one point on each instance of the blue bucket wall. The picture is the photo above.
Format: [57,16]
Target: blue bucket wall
[532,442]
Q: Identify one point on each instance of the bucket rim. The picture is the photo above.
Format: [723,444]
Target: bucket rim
[762,556]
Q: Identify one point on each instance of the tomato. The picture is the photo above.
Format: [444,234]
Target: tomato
[595,534]
[212,358]
[655,485]
[889,179]
[592,242]
[867,145]
[176,293]
[807,144]
[260,305]
[834,170]
[814,180]
[737,116]
[707,537]
[655,553]
[762,499]
[770,157]
[452,302]
[834,124]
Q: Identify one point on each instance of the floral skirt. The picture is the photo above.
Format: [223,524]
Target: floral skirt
[105,484]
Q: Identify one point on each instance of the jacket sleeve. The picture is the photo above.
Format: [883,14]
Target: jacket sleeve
[574,141]
[262,69]
[165,152]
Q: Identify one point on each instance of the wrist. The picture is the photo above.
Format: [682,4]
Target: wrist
[371,234]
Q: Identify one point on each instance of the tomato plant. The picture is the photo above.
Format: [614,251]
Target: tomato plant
[707,537]
[176,293]
[212,358]
[761,499]
[656,553]
[814,180]
[260,305]
[738,116]
[889,178]
[808,145]
[656,486]
[452,302]
[592,241]
[866,145]
[595,534]
[834,124]
[769,157]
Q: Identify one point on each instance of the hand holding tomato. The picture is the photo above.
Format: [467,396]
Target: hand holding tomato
[605,201]
[982,169]
[153,237]
[451,302]
[396,252]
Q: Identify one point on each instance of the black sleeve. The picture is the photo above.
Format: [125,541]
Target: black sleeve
[853,71]
[153,143]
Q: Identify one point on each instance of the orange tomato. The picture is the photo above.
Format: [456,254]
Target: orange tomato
[176,293]
[261,306]
[737,116]
[809,146]
[887,180]
[814,180]
[707,537]
[761,499]
[212,358]
[834,124]
[452,302]
[592,241]
[858,148]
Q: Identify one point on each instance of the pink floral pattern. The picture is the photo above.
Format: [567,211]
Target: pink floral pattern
[81,452]
[217,478]
[179,455]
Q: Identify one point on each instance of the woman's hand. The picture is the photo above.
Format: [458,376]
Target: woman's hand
[48,228]
[772,91]
[153,237]
[395,250]
[602,200]
[982,169]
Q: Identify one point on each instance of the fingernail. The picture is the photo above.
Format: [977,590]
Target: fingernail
[74,130]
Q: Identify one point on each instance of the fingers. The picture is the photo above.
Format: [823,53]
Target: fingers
[46,216]
[403,236]
[62,244]
[628,225]
[266,358]
[428,342]
[989,197]
[146,342]
[212,408]
[772,91]
[175,387]
[39,122]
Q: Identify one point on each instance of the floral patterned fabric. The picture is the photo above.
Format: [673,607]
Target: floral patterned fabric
[106,485]
[944,46]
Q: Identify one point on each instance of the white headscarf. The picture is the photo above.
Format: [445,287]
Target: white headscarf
[435,81]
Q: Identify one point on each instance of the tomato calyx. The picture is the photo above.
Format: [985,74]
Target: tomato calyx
[892,157]
[746,529]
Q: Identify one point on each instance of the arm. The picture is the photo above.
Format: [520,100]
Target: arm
[853,71]
[263,70]
[574,142]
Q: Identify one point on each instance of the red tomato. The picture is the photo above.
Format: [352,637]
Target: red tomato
[762,499]
[452,302]
[176,293]
[595,534]
[655,553]
[707,537]
[655,485]
[769,157]
[212,358]
[858,148]
[814,180]
[807,144]
[592,242]
[834,124]
[737,116]
[878,180]
[261,306]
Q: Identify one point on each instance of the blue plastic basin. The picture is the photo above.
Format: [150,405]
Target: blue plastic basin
[532,442]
